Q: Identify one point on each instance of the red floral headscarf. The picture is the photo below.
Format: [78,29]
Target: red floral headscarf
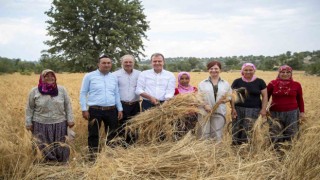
[282,86]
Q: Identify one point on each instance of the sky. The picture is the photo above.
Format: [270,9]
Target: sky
[185,28]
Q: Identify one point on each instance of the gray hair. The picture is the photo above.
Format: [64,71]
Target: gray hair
[127,56]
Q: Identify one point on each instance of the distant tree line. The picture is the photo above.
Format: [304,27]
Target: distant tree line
[307,61]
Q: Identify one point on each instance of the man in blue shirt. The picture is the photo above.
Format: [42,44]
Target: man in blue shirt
[100,101]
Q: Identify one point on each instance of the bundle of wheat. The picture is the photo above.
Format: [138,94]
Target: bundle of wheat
[163,123]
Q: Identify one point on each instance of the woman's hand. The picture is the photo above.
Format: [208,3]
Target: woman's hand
[70,124]
[302,117]
[263,112]
[29,127]
[207,108]
[234,113]
[223,101]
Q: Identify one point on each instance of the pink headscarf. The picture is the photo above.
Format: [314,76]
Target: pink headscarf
[184,89]
[242,73]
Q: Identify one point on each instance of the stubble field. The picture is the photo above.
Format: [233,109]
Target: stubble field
[185,159]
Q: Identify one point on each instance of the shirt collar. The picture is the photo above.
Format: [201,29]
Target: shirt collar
[210,78]
[125,72]
[156,72]
[99,73]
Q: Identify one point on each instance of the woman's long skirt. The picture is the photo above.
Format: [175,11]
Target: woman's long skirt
[51,139]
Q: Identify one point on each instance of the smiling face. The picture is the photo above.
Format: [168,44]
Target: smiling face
[285,74]
[248,72]
[157,63]
[184,80]
[214,71]
[127,63]
[49,78]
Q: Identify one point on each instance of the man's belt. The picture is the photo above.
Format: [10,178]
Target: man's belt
[130,103]
[103,108]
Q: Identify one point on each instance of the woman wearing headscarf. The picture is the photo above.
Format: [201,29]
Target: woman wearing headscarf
[287,104]
[254,103]
[184,87]
[216,92]
[48,114]
[183,84]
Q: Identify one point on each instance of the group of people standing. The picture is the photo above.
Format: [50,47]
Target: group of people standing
[114,97]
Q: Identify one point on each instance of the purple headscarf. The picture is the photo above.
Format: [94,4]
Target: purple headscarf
[45,88]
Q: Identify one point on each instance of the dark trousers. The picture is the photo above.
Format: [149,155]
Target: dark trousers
[147,104]
[128,112]
[110,121]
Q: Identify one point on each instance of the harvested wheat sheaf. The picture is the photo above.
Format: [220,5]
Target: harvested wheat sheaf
[163,122]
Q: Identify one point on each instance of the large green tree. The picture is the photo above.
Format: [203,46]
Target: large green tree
[82,30]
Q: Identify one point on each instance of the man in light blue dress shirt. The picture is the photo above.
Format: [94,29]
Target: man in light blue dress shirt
[100,101]
[127,80]
[155,85]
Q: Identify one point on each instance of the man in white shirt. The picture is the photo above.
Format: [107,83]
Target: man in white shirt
[155,85]
[127,81]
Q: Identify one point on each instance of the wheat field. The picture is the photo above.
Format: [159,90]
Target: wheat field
[185,159]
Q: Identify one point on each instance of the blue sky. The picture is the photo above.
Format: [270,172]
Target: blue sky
[198,28]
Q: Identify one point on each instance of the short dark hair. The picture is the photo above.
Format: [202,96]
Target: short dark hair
[103,56]
[155,55]
[212,63]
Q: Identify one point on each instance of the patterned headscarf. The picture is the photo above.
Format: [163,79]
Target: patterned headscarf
[242,73]
[184,89]
[282,86]
[282,68]
[45,88]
